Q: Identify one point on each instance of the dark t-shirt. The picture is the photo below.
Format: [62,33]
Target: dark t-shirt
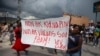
[73,42]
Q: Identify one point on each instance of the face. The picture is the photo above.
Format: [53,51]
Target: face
[75,29]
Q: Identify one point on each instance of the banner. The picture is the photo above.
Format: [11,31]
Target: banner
[51,32]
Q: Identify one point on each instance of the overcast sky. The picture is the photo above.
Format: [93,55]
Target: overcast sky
[51,8]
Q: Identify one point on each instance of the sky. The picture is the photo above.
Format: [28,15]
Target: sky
[50,8]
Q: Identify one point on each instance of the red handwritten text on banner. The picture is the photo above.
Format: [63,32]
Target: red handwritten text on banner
[52,32]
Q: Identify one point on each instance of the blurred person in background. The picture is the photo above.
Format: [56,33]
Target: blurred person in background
[96,36]
[91,30]
[4,31]
[11,34]
[86,35]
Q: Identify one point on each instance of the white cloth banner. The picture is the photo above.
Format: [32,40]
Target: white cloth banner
[52,32]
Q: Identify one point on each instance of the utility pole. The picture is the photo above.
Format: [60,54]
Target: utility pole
[5,14]
[96,17]
[19,9]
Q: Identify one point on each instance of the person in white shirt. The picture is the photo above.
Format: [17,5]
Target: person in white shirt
[4,31]
[91,29]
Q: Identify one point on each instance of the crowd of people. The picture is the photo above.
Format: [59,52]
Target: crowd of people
[14,33]
[77,34]
[91,34]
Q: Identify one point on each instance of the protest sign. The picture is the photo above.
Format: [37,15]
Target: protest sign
[51,32]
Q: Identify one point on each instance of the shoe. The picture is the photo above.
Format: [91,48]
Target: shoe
[1,41]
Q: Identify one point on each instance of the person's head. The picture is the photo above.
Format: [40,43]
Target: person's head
[19,24]
[76,29]
[83,25]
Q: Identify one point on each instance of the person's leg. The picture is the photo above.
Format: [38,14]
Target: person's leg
[89,38]
[97,41]
[26,52]
[85,38]
[55,51]
[92,38]
[94,41]
[11,40]
[18,54]
[2,37]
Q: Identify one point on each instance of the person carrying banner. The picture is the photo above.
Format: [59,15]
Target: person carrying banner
[74,42]
[18,46]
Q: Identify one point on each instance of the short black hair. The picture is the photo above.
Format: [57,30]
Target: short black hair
[79,27]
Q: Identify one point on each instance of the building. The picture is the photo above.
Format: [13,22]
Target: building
[79,20]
